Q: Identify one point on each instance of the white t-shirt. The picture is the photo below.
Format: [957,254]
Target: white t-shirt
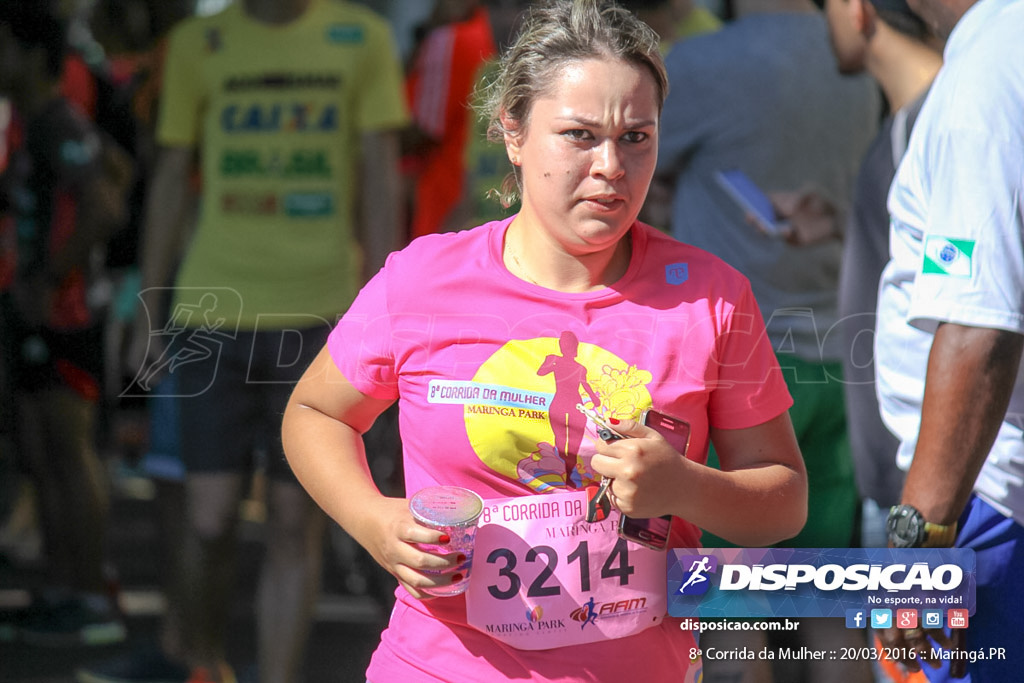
[956,242]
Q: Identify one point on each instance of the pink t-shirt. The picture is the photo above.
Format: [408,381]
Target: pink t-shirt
[488,370]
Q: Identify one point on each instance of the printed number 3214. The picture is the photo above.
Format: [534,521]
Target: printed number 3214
[616,565]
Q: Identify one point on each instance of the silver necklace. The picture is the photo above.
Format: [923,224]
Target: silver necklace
[519,266]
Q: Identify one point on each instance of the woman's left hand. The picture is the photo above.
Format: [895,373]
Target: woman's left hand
[647,470]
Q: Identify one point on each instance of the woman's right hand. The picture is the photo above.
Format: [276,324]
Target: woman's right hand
[322,436]
[394,539]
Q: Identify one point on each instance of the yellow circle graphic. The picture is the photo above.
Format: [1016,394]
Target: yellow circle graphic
[526,424]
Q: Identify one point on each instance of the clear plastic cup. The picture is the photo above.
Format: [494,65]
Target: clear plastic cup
[454,511]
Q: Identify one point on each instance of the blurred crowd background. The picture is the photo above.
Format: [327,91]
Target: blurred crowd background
[91,482]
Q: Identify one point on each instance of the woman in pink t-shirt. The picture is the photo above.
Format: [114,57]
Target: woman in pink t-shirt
[463,331]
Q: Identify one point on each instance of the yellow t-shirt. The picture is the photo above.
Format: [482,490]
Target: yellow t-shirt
[277,113]
[697,22]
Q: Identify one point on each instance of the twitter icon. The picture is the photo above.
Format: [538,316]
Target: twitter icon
[881,618]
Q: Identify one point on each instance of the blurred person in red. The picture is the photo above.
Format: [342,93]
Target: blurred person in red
[133,38]
[64,188]
[439,89]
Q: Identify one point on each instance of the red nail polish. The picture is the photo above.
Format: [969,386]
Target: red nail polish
[613,420]
[456,577]
[445,539]
[461,558]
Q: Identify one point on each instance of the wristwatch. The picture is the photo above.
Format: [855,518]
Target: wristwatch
[907,528]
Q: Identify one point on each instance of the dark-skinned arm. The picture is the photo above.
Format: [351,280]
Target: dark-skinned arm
[971,374]
[970,377]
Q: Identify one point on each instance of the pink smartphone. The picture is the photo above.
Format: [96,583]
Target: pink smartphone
[653,532]
[675,430]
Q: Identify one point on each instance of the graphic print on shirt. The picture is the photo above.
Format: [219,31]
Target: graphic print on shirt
[294,106]
[520,407]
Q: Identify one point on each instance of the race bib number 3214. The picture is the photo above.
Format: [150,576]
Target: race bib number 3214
[543,577]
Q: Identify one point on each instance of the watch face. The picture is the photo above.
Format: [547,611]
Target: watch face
[906,527]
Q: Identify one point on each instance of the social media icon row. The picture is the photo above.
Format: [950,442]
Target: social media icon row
[905,618]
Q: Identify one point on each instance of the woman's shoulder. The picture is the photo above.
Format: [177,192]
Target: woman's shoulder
[448,247]
[439,261]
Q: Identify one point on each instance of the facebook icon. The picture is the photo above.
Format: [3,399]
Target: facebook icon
[856,618]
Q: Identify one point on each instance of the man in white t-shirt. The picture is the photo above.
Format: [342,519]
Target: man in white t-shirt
[951,321]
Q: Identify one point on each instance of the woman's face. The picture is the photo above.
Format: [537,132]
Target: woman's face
[587,153]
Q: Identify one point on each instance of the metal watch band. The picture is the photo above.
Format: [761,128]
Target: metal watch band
[939,535]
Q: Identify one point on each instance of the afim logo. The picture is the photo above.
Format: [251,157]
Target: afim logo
[591,611]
